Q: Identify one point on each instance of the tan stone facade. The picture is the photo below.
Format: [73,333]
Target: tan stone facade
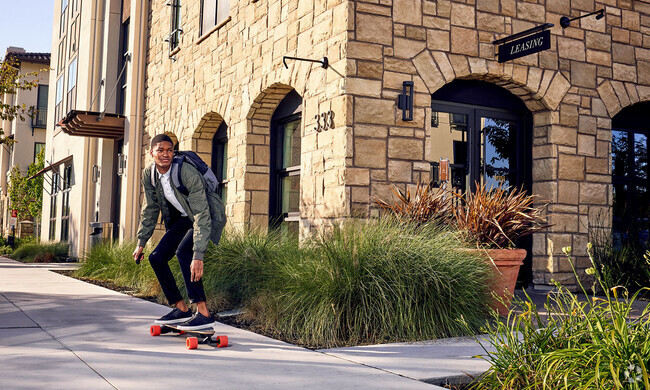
[235,74]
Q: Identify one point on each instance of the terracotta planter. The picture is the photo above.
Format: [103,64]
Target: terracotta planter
[507,262]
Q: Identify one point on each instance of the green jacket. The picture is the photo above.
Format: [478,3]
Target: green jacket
[206,212]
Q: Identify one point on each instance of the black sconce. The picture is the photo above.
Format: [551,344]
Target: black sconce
[405,101]
[566,22]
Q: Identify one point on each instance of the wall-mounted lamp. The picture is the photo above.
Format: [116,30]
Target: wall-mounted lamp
[566,22]
[405,101]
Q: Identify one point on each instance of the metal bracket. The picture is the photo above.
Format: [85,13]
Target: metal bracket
[566,22]
[324,62]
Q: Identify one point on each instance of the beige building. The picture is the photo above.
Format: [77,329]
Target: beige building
[29,135]
[307,146]
[94,124]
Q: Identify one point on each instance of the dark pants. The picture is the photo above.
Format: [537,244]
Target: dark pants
[177,240]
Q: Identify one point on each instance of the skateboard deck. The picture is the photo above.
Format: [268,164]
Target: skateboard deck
[201,336]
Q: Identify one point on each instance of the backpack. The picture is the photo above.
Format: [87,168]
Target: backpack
[217,208]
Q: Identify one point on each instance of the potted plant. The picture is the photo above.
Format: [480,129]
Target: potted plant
[494,218]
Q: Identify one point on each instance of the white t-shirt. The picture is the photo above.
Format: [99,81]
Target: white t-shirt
[168,191]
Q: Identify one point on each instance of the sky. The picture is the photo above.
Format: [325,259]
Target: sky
[26,24]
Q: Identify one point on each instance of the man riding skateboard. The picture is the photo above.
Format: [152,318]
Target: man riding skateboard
[187,220]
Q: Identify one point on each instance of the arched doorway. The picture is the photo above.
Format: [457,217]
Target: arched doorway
[630,175]
[484,131]
[284,191]
[486,134]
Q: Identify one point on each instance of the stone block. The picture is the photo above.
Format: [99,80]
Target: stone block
[374,111]
[428,70]
[444,65]
[623,53]
[569,115]
[370,153]
[399,171]
[609,98]
[558,87]
[568,192]
[488,6]
[363,87]
[593,193]
[544,169]
[564,222]
[406,148]
[643,72]
[599,57]
[462,15]
[560,135]
[369,69]
[364,51]
[562,7]
[587,125]
[407,11]
[408,48]
[438,40]
[625,72]
[598,41]
[464,41]
[374,29]
[586,144]
[598,165]
[571,167]
[532,12]
[572,49]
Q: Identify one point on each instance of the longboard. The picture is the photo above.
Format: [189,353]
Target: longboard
[203,336]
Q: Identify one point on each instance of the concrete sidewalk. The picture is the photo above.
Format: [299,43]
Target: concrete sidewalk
[59,332]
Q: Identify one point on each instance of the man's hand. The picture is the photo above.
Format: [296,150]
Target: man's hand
[137,254]
[196,269]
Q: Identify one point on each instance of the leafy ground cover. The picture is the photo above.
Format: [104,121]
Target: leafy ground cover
[593,344]
[366,282]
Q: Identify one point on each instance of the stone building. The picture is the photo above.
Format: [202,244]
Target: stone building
[29,135]
[307,146]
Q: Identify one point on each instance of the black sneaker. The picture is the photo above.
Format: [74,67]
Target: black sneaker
[198,322]
[175,316]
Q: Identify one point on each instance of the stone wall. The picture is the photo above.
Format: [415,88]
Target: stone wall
[593,69]
[236,74]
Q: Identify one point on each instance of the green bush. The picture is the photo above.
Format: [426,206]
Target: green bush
[40,252]
[114,262]
[376,281]
[593,344]
[369,281]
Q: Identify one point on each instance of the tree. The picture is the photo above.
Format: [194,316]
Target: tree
[11,82]
[26,195]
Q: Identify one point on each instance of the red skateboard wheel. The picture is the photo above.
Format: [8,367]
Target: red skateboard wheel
[191,342]
[222,341]
[155,330]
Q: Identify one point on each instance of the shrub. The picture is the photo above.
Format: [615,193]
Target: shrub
[108,261]
[366,282]
[375,281]
[40,252]
[592,344]
[424,205]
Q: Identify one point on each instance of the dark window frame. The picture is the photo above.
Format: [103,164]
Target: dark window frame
[278,172]
[65,202]
[219,163]
[54,190]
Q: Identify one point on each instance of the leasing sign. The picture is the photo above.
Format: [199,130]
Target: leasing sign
[525,46]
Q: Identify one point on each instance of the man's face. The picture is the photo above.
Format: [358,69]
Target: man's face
[162,154]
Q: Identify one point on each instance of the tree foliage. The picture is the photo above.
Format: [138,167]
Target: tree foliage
[26,195]
[12,81]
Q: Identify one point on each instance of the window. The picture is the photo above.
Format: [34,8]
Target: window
[73,37]
[284,198]
[124,44]
[40,118]
[213,13]
[59,100]
[220,160]
[53,194]
[175,25]
[63,18]
[72,83]
[38,146]
[61,57]
[631,176]
[65,204]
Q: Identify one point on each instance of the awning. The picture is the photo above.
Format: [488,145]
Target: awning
[51,166]
[93,124]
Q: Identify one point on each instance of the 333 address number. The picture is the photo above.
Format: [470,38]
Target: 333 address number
[324,121]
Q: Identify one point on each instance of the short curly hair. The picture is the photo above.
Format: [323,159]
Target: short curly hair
[160,138]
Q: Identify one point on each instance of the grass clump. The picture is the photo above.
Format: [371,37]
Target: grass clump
[41,252]
[365,282]
[376,281]
[114,262]
[594,344]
